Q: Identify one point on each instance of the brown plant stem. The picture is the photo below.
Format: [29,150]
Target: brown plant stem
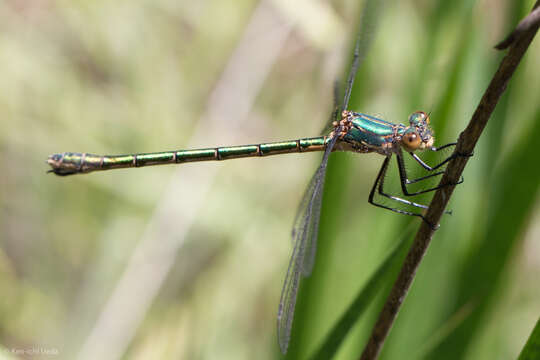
[518,41]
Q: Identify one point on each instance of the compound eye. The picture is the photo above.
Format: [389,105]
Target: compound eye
[418,117]
[411,141]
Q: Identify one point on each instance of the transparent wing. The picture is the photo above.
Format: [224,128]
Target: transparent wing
[306,224]
[368,24]
[304,234]
[334,115]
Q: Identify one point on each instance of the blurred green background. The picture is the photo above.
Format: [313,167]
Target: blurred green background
[188,262]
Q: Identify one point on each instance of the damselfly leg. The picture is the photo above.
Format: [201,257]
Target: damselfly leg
[378,187]
[404,179]
[379,184]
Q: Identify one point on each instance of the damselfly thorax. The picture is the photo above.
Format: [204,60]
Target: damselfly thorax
[364,133]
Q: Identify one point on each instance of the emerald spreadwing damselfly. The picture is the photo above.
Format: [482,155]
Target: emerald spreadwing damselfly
[350,131]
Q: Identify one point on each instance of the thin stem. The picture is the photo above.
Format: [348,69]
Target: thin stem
[518,45]
[524,25]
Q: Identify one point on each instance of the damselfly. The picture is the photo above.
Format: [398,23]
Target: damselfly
[350,131]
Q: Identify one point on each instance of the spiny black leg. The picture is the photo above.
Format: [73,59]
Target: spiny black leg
[424,177]
[378,185]
[404,181]
[430,168]
[426,166]
[433,148]
[380,190]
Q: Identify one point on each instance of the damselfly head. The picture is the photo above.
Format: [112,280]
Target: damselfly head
[419,118]
[418,135]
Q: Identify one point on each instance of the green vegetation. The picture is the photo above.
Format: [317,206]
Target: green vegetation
[121,77]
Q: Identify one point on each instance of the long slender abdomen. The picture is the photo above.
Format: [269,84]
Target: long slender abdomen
[69,163]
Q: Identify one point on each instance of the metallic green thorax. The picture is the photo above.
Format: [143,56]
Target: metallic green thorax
[364,133]
[357,132]
[372,132]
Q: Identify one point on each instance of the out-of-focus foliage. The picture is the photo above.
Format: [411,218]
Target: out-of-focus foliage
[532,347]
[135,76]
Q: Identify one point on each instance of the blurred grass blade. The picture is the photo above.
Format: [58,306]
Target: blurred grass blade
[337,175]
[513,196]
[364,297]
[370,14]
[531,351]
